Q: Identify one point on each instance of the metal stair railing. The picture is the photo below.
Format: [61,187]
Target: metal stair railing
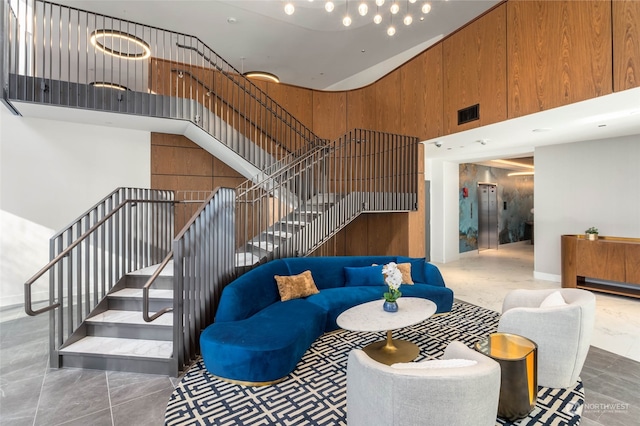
[298,208]
[128,230]
[203,264]
[48,58]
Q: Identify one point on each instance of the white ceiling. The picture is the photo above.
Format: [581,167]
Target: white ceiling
[313,49]
[310,48]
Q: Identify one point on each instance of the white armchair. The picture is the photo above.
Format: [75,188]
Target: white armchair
[378,394]
[561,331]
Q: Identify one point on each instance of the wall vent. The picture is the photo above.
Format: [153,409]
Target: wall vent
[466,115]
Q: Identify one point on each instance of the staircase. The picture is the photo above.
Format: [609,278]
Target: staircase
[115,336]
[302,190]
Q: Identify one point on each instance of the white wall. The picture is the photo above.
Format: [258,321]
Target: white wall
[50,173]
[445,218]
[583,184]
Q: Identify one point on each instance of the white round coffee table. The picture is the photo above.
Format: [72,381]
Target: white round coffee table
[372,318]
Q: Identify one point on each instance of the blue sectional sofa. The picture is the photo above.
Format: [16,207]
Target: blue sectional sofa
[258,339]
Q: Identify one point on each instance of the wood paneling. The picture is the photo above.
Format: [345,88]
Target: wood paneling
[475,71]
[632,263]
[170,160]
[329,114]
[613,259]
[389,103]
[434,77]
[559,53]
[626,44]
[361,108]
[179,164]
[416,220]
[413,87]
[295,100]
[182,183]
[600,259]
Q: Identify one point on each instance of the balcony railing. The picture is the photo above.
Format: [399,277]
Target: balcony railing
[61,56]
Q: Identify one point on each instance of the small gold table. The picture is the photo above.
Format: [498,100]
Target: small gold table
[371,317]
[518,359]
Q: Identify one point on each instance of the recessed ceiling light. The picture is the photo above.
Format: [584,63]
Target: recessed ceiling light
[541,129]
[231,20]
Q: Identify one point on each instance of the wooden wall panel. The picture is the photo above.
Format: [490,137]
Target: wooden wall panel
[475,71]
[416,220]
[297,101]
[361,108]
[559,53]
[180,161]
[179,164]
[389,103]
[329,114]
[434,77]
[626,44]
[413,89]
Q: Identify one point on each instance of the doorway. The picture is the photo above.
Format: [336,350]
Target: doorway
[487,216]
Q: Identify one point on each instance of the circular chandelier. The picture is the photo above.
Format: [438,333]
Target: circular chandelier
[381,7]
[120,44]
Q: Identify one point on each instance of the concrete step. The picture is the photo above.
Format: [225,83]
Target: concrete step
[130,299]
[130,325]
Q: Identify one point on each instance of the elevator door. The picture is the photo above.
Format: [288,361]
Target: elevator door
[487,216]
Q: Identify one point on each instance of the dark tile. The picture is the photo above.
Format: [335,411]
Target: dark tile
[127,386]
[18,401]
[69,394]
[608,411]
[146,411]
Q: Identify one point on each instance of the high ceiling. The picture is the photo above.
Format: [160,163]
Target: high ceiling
[311,48]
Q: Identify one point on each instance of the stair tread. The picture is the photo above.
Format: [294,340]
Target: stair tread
[121,347]
[246,259]
[130,317]
[137,293]
[166,272]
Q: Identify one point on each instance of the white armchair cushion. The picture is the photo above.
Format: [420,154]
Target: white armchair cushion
[562,333]
[435,363]
[378,394]
[552,300]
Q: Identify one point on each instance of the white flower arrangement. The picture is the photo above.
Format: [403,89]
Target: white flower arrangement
[393,278]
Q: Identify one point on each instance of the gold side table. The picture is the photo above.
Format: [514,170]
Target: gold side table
[518,359]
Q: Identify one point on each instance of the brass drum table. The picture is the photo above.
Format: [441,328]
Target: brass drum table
[518,359]
[371,317]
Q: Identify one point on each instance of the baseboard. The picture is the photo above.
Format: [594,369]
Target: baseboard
[547,277]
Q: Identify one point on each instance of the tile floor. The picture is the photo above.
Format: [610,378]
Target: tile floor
[33,394]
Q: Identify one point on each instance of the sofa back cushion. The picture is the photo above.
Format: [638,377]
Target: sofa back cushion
[251,292]
[363,275]
[423,272]
[328,272]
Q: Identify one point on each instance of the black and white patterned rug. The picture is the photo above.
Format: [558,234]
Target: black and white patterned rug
[315,393]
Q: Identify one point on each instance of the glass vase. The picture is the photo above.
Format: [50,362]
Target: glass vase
[390,306]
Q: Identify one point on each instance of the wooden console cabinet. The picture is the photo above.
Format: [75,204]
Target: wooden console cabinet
[612,259]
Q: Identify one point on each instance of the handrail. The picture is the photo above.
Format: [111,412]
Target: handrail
[241,115]
[165,262]
[236,110]
[251,83]
[145,292]
[66,251]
